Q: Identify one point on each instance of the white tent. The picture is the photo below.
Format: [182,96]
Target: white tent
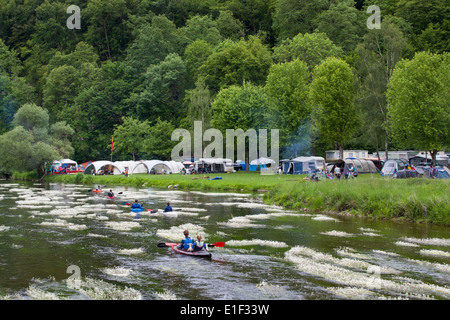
[96,166]
[392,166]
[152,166]
[175,167]
[123,165]
[59,163]
[261,161]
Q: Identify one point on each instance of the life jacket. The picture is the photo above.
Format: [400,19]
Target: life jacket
[185,243]
[136,206]
[199,246]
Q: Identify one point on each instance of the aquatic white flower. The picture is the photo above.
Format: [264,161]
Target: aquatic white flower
[118,271]
[123,225]
[405,244]
[101,290]
[429,241]
[336,233]
[256,242]
[166,295]
[436,253]
[131,251]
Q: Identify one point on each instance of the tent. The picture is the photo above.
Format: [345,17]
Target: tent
[152,167]
[361,166]
[211,165]
[302,165]
[419,159]
[174,166]
[98,167]
[442,173]
[405,173]
[393,165]
[64,163]
[261,163]
[124,165]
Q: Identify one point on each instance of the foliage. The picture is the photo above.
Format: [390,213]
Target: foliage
[333,94]
[418,95]
[30,145]
[168,59]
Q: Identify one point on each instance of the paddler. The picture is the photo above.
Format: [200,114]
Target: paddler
[136,205]
[168,208]
[199,245]
[99,188]
[187,242]
[110,194]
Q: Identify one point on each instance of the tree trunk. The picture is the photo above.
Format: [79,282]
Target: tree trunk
[341,152]
[107,41]
[386,148]
[433,156]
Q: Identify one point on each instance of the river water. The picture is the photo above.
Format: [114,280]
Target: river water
[63,242]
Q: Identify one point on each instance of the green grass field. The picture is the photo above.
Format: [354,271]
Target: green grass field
[422,200]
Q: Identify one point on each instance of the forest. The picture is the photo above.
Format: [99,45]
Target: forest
[139,69]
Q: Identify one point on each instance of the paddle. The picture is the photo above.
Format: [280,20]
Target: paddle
[170,244]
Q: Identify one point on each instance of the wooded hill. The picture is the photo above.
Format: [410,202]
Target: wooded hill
[138,69]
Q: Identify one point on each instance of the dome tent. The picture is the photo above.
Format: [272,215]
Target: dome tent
[152,166]
[96,166]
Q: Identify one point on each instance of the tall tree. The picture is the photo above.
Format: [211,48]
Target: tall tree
[378,56]
[333,94]
[32,145]
[130,136]
[234,63]
[288,84]
[419,96]
[107,31]
[311,48]
[164,89]
[293,17]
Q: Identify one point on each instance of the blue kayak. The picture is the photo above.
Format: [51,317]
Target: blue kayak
[136,209]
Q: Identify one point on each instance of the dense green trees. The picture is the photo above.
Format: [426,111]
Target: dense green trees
[230,63]
[419,95]
[333,96]
[33,144]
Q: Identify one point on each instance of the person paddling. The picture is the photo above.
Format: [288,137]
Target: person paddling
[136,205]
[199,245]
[99,188]
[110,194]
[187,242]
[168,208]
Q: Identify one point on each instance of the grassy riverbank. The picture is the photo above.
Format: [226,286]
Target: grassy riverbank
[421,200]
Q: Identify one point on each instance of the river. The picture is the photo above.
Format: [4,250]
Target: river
[64,242]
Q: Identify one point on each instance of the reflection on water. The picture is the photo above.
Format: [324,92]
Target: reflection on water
[270,253]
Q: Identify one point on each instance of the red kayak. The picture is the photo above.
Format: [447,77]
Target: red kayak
[201,254]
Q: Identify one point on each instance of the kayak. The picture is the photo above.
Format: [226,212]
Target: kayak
[97,190]
[110,197]
[200,254]
[136,209]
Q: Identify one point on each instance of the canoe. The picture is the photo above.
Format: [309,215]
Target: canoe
[200,254]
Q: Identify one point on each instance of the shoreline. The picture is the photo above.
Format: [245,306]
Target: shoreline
[422,201]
